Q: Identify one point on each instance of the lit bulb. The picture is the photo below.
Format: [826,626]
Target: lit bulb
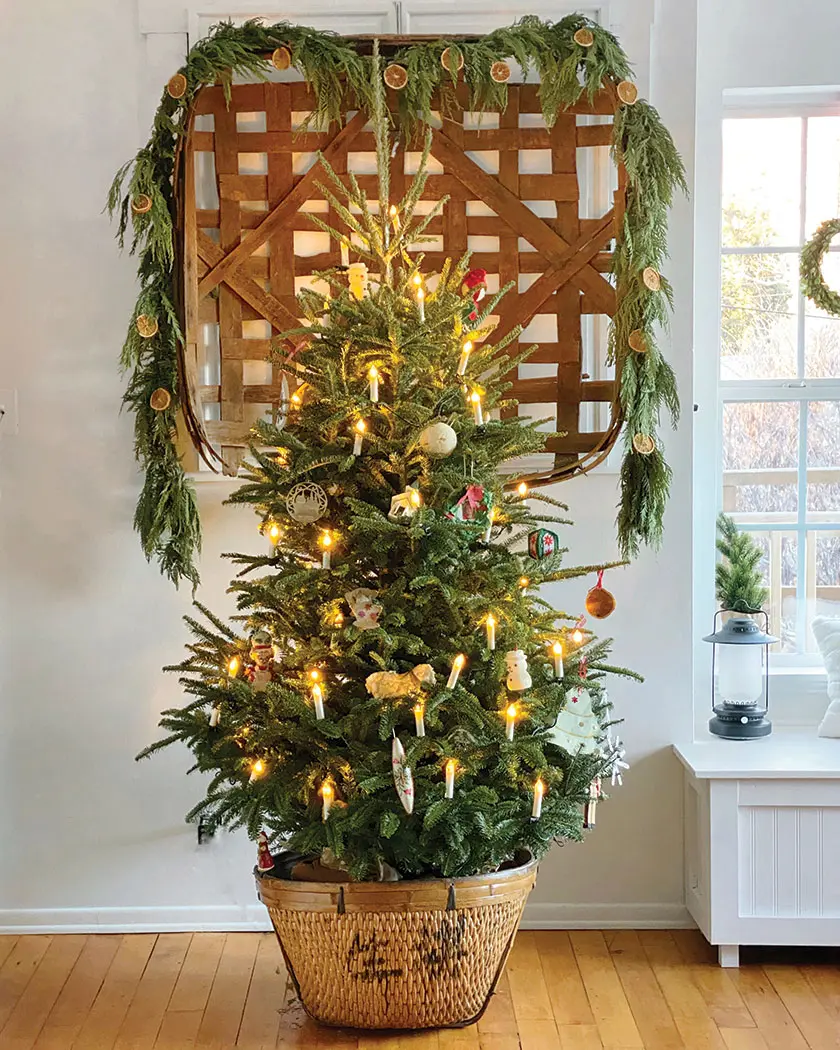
[524,582]
[577,636]
[326,542]
[318,700]
[373,379]
[510,720]
[415,498]
[419,724]
[315,674]
[450,769]
[478,414]
[274,532]
[465,357]
[360,428]
[490,625]
[297,400]
[257,770]
[457,666]
[539,791]
[327,794]
[557,659]
[417,280]
[234,663]
[522,489]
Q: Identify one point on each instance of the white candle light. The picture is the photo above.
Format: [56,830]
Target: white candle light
[373,379]
[539,791]
[450,778]
[490,625]
[419,723]
[360,428]
[557,659]
[215,716]
[274,533]
[395,217]
[327,794]
[326,542]
[234,663]
[510,720]
[318,700]
[345,253]
[522,489]
[577,636]
[478,414]
[465,357]
[421,305]
[457,665]
[257,770]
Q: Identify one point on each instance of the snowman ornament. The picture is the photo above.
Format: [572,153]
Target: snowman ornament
[518,677]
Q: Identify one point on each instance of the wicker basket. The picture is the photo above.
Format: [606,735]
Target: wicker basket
[418,954]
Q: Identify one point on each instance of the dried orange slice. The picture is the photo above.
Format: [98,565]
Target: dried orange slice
[500,72]
[177,85]
[141,203]
[146,326]
[643,444]
[281,58]
[651,278]
[636,341]
[160,400]
[627,92]
[395,76]
[584,37]
[444,59]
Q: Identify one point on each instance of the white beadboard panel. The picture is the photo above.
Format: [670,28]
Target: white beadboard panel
[475,16]
[788,861]
[339,16]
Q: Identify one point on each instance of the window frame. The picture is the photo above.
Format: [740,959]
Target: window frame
[798,389]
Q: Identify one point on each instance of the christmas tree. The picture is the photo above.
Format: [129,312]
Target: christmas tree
[395,690]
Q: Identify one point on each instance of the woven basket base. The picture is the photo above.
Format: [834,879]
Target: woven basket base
[382,964]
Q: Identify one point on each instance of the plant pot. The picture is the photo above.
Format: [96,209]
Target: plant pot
[413,954]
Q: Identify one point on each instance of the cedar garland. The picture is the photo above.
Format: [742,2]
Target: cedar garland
[167,516]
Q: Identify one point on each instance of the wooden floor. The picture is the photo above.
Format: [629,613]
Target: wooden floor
[586,990]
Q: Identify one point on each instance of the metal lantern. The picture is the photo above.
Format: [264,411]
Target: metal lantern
[740,682]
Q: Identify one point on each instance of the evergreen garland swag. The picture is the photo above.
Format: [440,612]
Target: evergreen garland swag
[145,195]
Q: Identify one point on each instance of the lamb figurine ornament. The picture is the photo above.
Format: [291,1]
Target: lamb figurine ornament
[389,685]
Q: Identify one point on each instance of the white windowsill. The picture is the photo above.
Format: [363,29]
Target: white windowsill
[786,754]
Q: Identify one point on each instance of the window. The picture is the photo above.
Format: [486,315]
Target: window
[779,378]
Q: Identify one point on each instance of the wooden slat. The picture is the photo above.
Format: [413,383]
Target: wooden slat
[772,1019]
[531,1001]
[543,391]
[226,1002]
[509,259]
[725,1005]
[819,1028]
[644,995]
[266,996]
[293,200]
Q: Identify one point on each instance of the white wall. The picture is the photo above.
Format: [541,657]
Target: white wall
[91,838]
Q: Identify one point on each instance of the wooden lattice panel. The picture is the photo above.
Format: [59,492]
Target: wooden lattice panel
[243,258]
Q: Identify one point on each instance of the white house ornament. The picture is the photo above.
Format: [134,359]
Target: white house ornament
[577,727]
[390,685]
[405,504]
[518,677]
[365,607]
[438,440]
[403,778]
[306,502]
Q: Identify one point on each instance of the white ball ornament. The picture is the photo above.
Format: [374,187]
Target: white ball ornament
[306,502]
[438,440]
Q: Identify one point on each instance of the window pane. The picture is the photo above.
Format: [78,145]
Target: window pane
[761,178]
[822,192]
[822,330]
[759,297]
[760,442]
[823,460]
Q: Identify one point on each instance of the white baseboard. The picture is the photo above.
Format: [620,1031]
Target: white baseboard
[629,916]
[224,918]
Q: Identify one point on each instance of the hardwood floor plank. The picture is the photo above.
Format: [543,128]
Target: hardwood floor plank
[813,1020]
[145,1015]
[79,993]
[226,1002]
[498,1041]
[528,990]
[33,1007]
[726,1007]
[186,1007]
[825,981]
[771,1016]
[458,1038]
[612,1013]
[7,944]
[539,1035]
[107,1014]
[569,1002]
[650,1010]
[743,1039]
[499,1019]
[579,1037]
[266,996]
[688,1008]
[18,969]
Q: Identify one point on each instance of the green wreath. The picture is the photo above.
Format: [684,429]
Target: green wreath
[572,57]
[810,268]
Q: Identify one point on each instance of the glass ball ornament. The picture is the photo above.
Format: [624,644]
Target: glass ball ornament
[438,440]
[306,502]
